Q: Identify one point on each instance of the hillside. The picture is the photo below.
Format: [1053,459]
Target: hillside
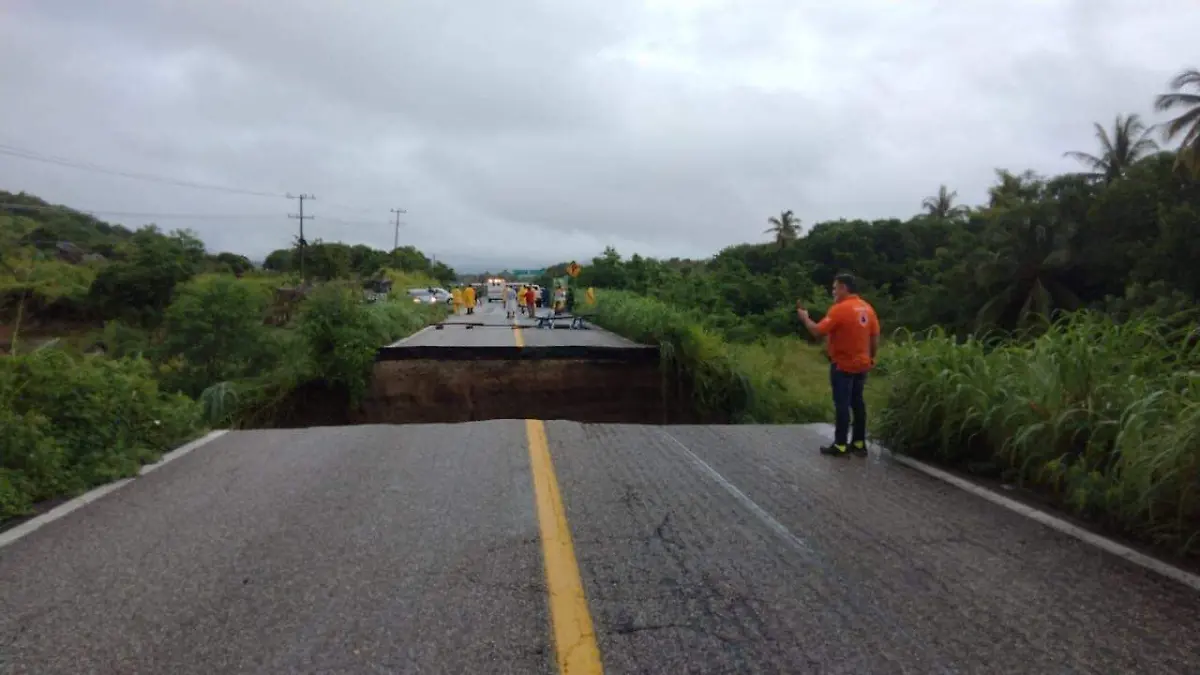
[63,272]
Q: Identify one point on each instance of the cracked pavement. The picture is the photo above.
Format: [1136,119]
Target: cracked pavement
[415,549]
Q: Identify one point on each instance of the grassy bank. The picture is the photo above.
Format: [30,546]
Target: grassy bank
[70,421]
[1102,417]
[773,381]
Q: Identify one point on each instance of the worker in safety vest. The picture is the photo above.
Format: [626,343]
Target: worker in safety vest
[456,296]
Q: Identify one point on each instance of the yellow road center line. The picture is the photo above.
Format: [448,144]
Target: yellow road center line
[517,336]
[575,645]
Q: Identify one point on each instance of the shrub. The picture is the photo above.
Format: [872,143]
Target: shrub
[341,336]
[1103,416]
[69,422]
[336,338]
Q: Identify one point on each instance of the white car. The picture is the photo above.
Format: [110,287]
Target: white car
[495,290]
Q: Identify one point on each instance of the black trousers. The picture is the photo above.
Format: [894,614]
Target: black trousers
[848,403]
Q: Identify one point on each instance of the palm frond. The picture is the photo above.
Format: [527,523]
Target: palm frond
[1165,102]
[1190,119]
[1090,160]
[1106,145]
[1188,76]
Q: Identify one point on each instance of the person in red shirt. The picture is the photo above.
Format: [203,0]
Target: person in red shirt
[531,301]
[851,332]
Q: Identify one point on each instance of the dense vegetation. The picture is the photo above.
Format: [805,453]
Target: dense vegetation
[1047,337]
[123,344]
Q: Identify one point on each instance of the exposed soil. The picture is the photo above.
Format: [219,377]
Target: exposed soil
[462,391]
[445,391]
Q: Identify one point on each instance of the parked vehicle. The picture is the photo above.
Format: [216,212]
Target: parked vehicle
[495,290]
[423,296]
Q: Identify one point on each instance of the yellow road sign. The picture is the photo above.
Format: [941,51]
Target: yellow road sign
[573,269]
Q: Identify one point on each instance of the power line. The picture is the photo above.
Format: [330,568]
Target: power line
[135,214]
[34,156]
[144,214]
[301,217]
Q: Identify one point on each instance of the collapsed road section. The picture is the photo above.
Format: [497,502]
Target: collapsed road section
[484,366]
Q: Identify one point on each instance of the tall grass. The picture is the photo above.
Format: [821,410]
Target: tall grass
[1103,416]
[738,383]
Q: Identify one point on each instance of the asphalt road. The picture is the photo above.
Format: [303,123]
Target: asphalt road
[497,331]
[520,547]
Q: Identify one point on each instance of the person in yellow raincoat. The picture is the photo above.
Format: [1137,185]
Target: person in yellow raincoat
[469,299]
[560,299]
[456,296]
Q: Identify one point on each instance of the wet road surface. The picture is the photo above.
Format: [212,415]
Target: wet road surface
[520,547]
[498,331]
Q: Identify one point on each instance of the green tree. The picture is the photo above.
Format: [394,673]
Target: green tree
[1013,187]
[281,260]
[216,327]
[140,287]
[232,263]
[1130,141]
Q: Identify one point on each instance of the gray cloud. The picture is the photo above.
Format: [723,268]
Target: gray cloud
[532,131]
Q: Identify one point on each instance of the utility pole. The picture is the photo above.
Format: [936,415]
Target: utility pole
[301,217]
[396,238]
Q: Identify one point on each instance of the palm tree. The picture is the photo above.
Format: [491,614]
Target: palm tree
[1187,124]
[1128,143]
[942,204]
[785,227]
[1029,268]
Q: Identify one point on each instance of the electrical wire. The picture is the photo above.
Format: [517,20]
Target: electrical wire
[21,153]
[36,156]
[138,214]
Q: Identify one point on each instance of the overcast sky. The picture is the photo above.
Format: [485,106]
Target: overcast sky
[525,132]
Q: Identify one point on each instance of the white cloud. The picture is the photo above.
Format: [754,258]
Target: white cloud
[522,133]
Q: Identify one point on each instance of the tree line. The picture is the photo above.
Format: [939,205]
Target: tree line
[1120,235]
[62,264]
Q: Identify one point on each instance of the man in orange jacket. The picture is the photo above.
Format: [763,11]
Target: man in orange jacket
[851,330]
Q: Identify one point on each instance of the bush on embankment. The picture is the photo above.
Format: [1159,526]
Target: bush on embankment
[1104,417]
[331,351]
[70,422]
[726,382]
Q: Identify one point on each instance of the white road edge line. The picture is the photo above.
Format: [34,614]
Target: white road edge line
[1104,543]
[745,501]
[9,536]
[401,341]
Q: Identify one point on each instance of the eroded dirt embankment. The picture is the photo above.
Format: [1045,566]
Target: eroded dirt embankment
[421,390]
[462,391]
